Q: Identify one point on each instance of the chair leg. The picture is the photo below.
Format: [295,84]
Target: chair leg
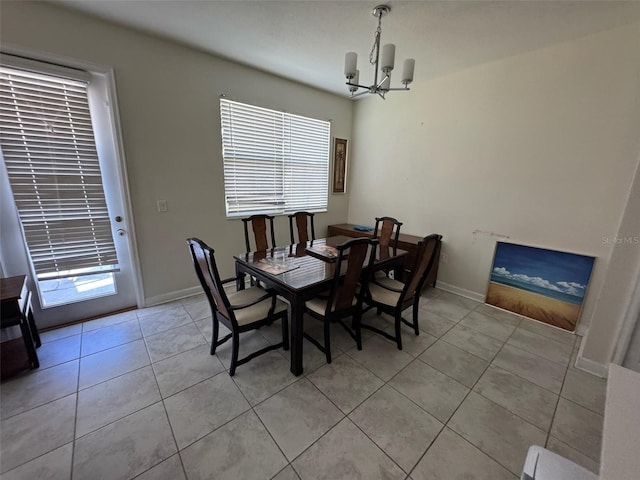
[415,318]
[399,330]
[214,338]
[357,327]
[28,343]
[285,333]
[32,326]
[327,340]
[379,311]
[234,353]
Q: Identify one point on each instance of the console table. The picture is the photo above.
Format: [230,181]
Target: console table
[405,242]
[16,310]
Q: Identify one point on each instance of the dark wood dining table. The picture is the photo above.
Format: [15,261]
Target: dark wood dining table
[297,277]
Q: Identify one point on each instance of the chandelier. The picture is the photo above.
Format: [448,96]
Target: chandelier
[383,61]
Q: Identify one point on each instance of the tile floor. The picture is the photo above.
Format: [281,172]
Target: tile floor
[138,395]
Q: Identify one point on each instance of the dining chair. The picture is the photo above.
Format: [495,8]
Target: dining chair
[303,219]
[346,293]
[240,311]
[259,228]
[393,297]
[386,228]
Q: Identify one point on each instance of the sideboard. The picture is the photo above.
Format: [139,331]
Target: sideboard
[405,242]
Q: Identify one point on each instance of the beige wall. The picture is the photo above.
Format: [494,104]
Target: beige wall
[168,99]
[621,281]
[540,148]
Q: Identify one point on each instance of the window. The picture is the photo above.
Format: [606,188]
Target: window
[274,162]
[52,163]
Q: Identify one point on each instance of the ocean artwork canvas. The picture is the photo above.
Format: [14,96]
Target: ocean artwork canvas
[542,284]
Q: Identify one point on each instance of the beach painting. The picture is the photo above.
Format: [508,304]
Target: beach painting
[546,285]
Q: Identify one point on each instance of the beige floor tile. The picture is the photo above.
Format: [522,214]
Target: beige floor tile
[111,336]
[578,427]
[59,351]
[297,416]
[200,409]
[346,453]
[462,366]
[435,392]
[500,434]
[557,334]
[38,387]
[54,465]
[473,342]
[434,324]
[170,469]
[263,376]
[240,449]
[542,346]
[564,450]
[452,457]
[164,320]
[186,369]
[490,326]
[585,389]
[380,357]
[538,370]
[109,401]
[112,363]
[125,448]
[345,382]
[398,426]
[166,344]
[35,432]
[499,314]
[527,400]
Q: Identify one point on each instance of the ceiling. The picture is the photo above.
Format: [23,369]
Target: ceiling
[305,40]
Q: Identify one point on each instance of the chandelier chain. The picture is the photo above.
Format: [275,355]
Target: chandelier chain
[376,42]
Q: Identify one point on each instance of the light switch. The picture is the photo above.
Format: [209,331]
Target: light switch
[162,205]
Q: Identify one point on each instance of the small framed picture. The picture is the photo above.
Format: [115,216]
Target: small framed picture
[340,166]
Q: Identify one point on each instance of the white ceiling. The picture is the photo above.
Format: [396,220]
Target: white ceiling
[306,40]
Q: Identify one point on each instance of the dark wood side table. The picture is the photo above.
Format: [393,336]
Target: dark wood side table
[405,242]
[16,310]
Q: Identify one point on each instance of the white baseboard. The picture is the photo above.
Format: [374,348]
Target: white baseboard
[589,366]
[478,297]
[180,294]
[172,296]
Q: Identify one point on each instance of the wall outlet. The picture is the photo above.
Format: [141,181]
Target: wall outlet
[444,258]
[162,205]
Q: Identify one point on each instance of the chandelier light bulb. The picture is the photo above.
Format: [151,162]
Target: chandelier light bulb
[350,64]
[407,71]
[388,57]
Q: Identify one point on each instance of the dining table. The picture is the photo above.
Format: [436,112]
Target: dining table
[298,273]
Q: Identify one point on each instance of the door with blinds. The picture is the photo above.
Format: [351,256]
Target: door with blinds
[59,160]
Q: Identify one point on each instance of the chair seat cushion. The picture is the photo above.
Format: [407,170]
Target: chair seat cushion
[319,305]
[379,294]
[257,312]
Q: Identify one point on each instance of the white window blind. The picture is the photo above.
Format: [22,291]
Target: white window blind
[274,162]
[49,150]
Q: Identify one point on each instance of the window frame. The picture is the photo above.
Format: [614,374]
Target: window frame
[264,145]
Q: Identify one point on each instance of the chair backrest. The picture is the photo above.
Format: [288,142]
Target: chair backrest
[207,272]
[425,259]
[343,288]
[259,227]
[302,227]
[386,228]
